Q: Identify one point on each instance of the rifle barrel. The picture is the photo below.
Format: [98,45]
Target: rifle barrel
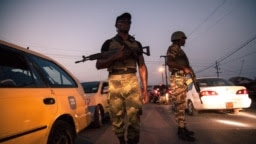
[109,53]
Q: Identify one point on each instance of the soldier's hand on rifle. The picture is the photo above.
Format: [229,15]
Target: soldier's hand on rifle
[120,53]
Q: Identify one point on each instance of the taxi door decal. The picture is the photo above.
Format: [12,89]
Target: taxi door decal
[72,102]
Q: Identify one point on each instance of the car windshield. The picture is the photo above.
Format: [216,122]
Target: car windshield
[160,87]
[213,82]
[156,87]
[90,87]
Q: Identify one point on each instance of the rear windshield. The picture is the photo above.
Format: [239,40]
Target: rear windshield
[213,82]
[90,87]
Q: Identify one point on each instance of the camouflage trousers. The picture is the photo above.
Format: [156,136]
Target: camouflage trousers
[125,100]
[178,97]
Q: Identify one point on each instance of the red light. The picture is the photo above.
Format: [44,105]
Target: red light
[208,93]
[242,91]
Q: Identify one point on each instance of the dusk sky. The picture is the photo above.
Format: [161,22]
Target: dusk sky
[218,31]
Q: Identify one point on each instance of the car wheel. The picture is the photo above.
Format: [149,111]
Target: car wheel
[62,133]
[154,100]
[191,110]
[98,115]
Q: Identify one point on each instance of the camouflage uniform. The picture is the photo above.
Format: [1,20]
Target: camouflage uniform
[178,97]
[125,99]
[178,83]
[124,91]
[178,64]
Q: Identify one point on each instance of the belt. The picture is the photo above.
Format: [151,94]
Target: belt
[122,71]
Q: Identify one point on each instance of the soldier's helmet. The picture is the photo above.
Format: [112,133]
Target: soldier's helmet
[178,35]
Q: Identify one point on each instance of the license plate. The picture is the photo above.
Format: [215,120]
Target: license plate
[229,105]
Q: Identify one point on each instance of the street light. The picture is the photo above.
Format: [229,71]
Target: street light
[161,70]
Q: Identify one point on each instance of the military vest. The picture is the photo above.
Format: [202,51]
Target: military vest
[128,63]
[180,58]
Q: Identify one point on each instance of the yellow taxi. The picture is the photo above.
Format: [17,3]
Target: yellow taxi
[41,102]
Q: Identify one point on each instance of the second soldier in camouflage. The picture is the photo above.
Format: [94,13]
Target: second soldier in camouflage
[178,64]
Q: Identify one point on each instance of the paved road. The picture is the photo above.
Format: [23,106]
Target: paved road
[158,127]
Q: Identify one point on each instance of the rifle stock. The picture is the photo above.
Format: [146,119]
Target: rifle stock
[109,53]
[192,79]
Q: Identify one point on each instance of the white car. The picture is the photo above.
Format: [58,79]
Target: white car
[216,94]
[96,94]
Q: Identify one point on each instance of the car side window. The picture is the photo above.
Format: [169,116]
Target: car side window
[104,88]
[15,70]
[55,75]
[91,87]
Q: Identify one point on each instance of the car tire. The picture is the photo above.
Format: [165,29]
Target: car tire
[62,132]
[191,109]
[98,116]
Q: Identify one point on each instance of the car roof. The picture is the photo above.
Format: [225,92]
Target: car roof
[14,46]
[24,49]
[210,78]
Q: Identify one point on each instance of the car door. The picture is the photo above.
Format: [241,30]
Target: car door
[104,95]
[68,93]
[25,100]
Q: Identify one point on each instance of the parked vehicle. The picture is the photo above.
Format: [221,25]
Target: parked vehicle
[41,101]
[159,94]
[96,93]
[216,94]
[248,83]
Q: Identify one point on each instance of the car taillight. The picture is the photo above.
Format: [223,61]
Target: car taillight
[208,93]
[242,91]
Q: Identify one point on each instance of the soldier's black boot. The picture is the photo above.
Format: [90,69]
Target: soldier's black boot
[183,135]
[189,132]
[121,140]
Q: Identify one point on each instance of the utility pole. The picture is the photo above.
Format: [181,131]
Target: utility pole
[217,68]
[165,69]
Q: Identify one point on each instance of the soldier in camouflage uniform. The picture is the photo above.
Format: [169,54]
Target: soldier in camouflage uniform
[178,64]
[125,95]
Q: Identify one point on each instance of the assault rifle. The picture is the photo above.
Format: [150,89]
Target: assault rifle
[192,79]
[109,53]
